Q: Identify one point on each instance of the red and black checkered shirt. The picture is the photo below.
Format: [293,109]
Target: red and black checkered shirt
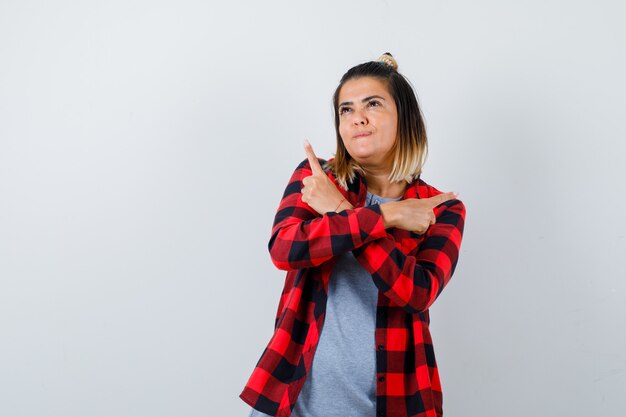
[409,269]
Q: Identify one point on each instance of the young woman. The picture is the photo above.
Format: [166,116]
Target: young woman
[368,246]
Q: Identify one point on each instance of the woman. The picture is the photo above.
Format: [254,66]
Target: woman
[368,247]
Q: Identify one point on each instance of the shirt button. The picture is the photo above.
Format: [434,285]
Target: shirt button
[380,413]
[381,347]
[381,379]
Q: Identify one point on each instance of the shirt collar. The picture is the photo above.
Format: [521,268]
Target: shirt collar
[357,189]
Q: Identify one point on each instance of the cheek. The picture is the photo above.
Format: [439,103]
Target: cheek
[391,126]
[342,131]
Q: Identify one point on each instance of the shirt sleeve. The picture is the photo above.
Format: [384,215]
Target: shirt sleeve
[415,281]
[302,238]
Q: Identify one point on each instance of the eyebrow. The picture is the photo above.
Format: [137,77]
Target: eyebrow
[348,103]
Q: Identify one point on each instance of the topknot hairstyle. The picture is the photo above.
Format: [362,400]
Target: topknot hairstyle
[388,59]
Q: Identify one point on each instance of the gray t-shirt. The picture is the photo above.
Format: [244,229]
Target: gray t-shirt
[342,379]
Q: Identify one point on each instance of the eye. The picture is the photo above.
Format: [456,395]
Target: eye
[342,110]
[373,103]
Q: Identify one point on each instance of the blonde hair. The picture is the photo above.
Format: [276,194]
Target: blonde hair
[411,146]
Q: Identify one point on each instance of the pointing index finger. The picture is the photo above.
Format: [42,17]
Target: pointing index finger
[315,164]
[442,198]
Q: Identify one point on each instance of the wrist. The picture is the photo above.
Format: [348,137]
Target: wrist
[344,205]
[389,213]
[339,205]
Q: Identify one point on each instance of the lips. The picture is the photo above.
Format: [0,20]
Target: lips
[361,134]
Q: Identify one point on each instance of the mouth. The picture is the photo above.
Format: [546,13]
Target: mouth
[361,135]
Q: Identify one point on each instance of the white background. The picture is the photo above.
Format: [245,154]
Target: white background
[145,145]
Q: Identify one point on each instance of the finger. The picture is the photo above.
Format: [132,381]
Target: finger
[442,198]
[315,164]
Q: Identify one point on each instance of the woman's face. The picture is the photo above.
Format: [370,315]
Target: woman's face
[368,121]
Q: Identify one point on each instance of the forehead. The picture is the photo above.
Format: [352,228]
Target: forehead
[356,89]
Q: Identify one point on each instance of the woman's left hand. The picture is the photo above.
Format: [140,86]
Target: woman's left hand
[318,190]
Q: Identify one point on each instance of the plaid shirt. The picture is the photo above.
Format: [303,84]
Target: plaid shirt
[409,269]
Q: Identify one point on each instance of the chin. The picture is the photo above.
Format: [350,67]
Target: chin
[362,154]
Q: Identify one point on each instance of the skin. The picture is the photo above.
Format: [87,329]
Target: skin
[366,106]
[368,127]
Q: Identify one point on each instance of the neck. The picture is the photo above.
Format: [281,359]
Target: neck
[379,184]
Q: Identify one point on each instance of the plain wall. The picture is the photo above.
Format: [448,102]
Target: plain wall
[145,146]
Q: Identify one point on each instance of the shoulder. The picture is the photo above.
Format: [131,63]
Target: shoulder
[425,190]
[323,162]
[304,170]
[305,166]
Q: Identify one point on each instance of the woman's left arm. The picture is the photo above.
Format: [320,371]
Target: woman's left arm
[415,282]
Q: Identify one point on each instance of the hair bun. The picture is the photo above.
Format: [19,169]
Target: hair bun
[388,59]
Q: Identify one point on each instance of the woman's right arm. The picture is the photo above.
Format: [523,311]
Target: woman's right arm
[302,238]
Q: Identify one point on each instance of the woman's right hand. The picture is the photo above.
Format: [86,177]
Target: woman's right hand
[413,214]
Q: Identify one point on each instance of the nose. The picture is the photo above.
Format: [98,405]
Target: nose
[359,118]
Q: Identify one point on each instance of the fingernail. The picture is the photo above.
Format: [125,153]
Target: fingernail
[306,142]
